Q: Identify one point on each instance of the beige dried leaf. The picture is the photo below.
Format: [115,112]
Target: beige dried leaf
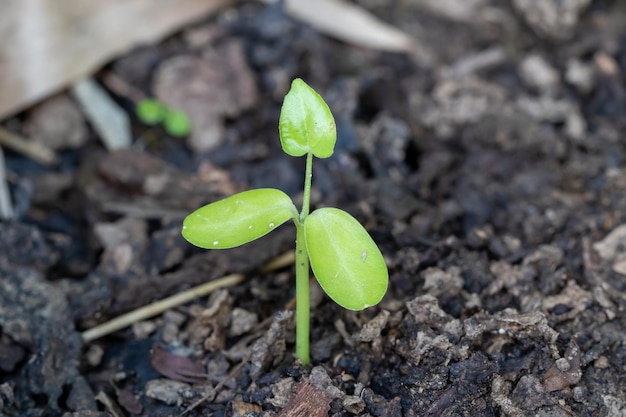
[48,44]
[351,24]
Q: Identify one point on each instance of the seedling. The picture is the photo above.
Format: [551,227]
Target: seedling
[345,260]
[152,112]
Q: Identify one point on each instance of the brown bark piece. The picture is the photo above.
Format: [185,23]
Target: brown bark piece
[309,401]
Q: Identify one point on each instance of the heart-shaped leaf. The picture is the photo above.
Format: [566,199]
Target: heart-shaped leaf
[238,219]
[306,123]
[344,258]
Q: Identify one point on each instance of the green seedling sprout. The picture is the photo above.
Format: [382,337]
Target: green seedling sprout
[345,260]
[177,123]
[152,112]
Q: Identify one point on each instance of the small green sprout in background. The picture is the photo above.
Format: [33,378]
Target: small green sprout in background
[177,123]
[152,112]
[345,260]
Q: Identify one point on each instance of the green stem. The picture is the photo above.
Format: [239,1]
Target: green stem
[302,297]
[308,175]
[302,271]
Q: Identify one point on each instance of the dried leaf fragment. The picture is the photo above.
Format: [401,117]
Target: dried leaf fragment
[107,117]
[207,89]
[178,368]
[350,24]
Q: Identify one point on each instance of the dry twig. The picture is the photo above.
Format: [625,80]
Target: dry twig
[159,307]
[34,150]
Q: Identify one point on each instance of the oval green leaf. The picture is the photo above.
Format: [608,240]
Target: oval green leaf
[177,123]
[344,258]
[306,123]
[238,219]
[150,111]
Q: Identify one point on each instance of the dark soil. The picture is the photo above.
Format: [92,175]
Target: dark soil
[491,173]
